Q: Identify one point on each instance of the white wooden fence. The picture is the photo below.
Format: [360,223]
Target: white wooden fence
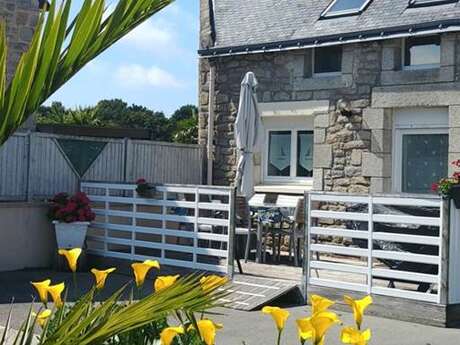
[360,267]
[179,225]
[33,166]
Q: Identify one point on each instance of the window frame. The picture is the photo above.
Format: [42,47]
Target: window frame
[398,151]
[325,14]
[417,67]
[292,178]
[324,74]
[426,3]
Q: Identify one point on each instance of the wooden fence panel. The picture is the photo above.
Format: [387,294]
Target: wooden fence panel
[110,165]
[50,171]
[33,166]
[165,162]
[13,168]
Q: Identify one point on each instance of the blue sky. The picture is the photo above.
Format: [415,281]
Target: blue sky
[156,65]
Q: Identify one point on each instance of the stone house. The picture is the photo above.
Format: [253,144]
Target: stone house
[355,96]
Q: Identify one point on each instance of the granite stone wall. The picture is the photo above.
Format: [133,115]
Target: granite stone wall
[339,140]
[20,17]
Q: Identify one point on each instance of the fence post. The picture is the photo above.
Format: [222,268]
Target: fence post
[306,247]
[231,233]
[370,243]
[444,233]
[125,159]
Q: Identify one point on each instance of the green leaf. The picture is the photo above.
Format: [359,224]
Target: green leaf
[52,59]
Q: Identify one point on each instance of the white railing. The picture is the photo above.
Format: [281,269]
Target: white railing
[179,225]
[362,259]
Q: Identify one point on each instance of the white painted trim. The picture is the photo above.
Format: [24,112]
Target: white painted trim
[300,108]
[292,179]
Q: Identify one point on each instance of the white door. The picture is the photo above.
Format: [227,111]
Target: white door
[420,148]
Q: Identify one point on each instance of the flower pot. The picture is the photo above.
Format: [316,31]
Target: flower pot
[455,195]
[70,235]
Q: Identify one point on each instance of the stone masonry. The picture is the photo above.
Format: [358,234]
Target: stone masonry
[20,17]
[352,152]
[339,140]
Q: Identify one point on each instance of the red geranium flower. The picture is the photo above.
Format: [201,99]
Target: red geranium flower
[141,181]
[434,187]
[71,209]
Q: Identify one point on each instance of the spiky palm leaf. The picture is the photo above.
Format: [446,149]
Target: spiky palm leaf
[59,49]
[95,323]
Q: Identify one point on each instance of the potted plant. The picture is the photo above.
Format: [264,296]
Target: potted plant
[144,189]
[449,187]
[71,216]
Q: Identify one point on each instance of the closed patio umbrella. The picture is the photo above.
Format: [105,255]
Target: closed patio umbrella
[246,124]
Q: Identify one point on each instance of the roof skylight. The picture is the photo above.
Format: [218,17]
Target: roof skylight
[345,8]
[421,3]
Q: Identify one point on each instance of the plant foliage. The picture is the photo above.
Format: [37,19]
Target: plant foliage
[59,49]
[116,323]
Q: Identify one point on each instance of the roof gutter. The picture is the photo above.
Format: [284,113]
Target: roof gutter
[430,28]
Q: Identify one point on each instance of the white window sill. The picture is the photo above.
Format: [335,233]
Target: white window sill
[283,188]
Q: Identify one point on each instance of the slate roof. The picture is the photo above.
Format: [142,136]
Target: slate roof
[247,23]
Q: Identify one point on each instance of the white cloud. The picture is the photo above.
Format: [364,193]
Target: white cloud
[136,75]
[155,38]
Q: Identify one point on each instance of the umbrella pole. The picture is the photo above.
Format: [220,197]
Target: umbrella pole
[211,125]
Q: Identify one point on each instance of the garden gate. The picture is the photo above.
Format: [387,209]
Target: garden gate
[180,225]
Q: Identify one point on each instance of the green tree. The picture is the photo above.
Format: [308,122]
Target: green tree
[181,127]
[61,48]
[184,125]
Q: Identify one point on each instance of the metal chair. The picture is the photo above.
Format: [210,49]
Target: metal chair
[244,223]
[297,232]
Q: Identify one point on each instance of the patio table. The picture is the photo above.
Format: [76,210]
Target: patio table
[284,204]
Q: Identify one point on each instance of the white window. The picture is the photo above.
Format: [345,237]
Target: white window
[421,3]
[344,8]
[288,155]
[421,144]
[422,52]
[327,61]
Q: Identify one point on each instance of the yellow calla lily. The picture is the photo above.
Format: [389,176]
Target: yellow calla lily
[101,276]
[212,282]
[168,334]
[164,282]
[141,269]
[43,317]
[55,291]
[42,289]
[72,256]
[319,304]
[316,327]
[279,316]
[207,330]
[351,335]
[358,307]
